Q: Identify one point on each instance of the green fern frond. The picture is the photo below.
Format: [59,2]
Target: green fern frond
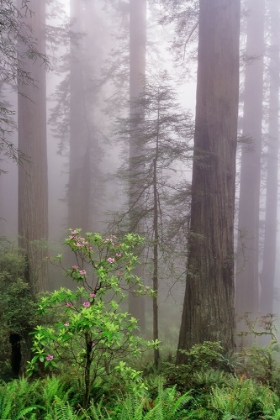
[25,411]
[53,387]
[62,410]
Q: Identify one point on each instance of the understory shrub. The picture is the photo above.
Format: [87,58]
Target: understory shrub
[93,335]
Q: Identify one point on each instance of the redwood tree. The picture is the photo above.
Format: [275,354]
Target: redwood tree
[33,177]
[247,279]
[208,311]
[78,191]
[85,154]
[137,54]
[269,255]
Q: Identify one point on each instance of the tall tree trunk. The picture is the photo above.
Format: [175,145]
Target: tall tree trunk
[33,176]
[79,178]
[269,256]
[247,279]
[155,273]
[208,311]
[137,50]
[95,44]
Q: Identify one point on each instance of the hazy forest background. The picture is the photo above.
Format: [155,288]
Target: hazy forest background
[153,117]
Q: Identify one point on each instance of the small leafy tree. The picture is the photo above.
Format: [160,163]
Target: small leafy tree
[93,334]
[155,175]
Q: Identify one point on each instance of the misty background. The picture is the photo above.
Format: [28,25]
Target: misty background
[112,68]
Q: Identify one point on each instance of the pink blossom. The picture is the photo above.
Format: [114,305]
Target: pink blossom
[66,324]
[49,357]
[68,304]
[75,267]
[92,344]
[83,272]
[120,273]
[79,244]
[92,295]
[86,304]
[47,257]
[90,247]
[74,232]
[118,255]
[111,260]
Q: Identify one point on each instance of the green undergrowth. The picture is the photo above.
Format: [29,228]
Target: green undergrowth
[87,361]
[215,395]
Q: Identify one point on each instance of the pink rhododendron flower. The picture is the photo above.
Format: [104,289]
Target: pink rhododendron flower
[68,304]
[83,272]
[49,357]
[66,324]
[75,267]
[92,295]
[118,255]
[79,244]
[74,232]
[86,304]
[111,260]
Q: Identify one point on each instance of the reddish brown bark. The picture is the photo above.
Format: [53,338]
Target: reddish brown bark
[208,311]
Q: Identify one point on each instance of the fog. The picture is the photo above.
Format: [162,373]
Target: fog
[119,93]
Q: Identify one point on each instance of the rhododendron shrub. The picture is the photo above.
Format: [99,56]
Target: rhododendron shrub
[93,334]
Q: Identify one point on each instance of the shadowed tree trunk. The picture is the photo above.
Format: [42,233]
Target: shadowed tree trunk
[78,191]
[208,311]
[247,278]
[137,50]
[33,177]
[84,148]
[269,256]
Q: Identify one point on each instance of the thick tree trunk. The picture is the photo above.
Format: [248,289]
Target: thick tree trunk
[79,165]
[84,148]
[33,175]
[247,278]
[269,256]
[137,50]
[208,311]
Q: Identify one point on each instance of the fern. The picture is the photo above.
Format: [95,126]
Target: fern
[14,397]
[95,411]
[21,415]
[53,387]
[61,410]
[274,416]
[168,406]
